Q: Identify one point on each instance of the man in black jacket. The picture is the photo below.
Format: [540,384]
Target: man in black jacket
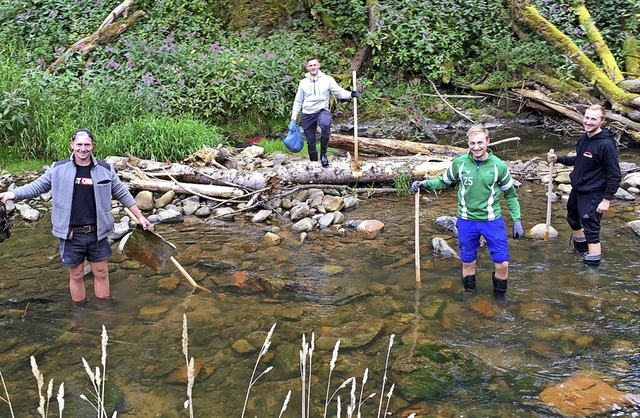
[594,180]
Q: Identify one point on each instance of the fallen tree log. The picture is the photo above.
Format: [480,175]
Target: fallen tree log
[381,146]
[385,171]
[189,188]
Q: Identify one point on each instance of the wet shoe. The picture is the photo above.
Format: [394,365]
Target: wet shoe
[579,246]
[469,283]
[591,259]
[105,303]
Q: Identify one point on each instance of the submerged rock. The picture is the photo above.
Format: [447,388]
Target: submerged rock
[585,394]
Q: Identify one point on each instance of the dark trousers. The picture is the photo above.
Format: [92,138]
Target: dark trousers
[581,214]
[310,123]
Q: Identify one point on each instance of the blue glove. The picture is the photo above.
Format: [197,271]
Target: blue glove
[293,125]
[416,185]
[517,230]
[355,94]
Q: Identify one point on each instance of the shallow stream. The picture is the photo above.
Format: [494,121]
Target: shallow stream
[561,316]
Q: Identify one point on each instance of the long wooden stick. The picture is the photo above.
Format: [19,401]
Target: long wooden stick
[549,191]
[417,236]
[356,164]
[173,260]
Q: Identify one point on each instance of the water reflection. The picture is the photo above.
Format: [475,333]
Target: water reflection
[562,316]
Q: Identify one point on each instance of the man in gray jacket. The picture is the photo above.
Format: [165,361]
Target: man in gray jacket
[312,99]
[82,188]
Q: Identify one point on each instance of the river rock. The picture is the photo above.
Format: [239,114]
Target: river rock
[203,212]
[338,218]
[299,211]
[261,216]
[448,223]
[332,203]
[28,213]
[564,188]
[351,335]
[165,199]
[563,177]
[351,202]
[271,239]
[440,246]
[325,220]
[253,151]
[622,194]
[635,226]
[631,180]
[583,395]
[539,230]
[302,195]
[370,228]
[243,347]
[226,214]
[181,375]
[190,207]
[170,216]
[144,200]
[303,225]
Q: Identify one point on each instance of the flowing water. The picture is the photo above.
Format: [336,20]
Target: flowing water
[561,317]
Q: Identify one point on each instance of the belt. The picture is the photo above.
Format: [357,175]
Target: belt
[83,229]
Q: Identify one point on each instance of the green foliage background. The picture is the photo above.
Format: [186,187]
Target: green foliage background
[191,66]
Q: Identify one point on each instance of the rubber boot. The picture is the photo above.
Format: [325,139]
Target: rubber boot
[579,244]
[324,144]
[499,287]
[469,283]
[105,303]
[591,259]
[313,156]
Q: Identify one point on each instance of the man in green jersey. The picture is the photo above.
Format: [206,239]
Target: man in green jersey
[481,177]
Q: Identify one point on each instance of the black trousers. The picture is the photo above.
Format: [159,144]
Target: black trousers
[310,123]
[581,214]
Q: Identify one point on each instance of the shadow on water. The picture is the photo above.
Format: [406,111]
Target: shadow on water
[561,316]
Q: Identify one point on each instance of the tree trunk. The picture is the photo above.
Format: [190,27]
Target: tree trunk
[595,39]
[620,100]
[107,32]
[298,172]
[380,146]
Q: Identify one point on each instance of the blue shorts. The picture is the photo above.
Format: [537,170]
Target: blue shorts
[74,251]
[494,232]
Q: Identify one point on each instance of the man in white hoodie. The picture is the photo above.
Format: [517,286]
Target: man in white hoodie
[312,99]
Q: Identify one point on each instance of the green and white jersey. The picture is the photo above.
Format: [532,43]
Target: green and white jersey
[479,187]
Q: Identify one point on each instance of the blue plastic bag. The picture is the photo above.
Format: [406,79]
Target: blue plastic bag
[293,141]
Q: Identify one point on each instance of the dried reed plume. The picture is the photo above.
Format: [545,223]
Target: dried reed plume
[252,381]
[384,378]
[190,366]
[98,380]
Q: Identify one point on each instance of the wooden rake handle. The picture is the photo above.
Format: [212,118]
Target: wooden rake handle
[417,236]
[549,192]
[173,260]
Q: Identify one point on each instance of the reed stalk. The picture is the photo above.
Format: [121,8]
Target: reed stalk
[332,365]
[252,381]
[7,398]
[285,404]
[384,377]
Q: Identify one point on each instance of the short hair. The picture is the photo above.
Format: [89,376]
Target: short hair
[86,131]
[311,59]
[598,108]
[477,128]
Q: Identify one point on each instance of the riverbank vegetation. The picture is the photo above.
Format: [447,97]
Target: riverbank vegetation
[162,78]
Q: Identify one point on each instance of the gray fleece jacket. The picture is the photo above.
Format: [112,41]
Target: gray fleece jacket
[314,92]
[60,177]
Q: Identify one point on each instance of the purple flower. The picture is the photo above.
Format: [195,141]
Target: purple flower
[287,78]
[113,64]
[148,79]
[215,47]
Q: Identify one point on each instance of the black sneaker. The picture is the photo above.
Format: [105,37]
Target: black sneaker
[324,160]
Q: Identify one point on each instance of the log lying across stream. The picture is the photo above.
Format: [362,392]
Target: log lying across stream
[385,162]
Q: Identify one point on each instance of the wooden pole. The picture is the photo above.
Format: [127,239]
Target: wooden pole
[417,236]
[173,260]
[549,192]
[356,164]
